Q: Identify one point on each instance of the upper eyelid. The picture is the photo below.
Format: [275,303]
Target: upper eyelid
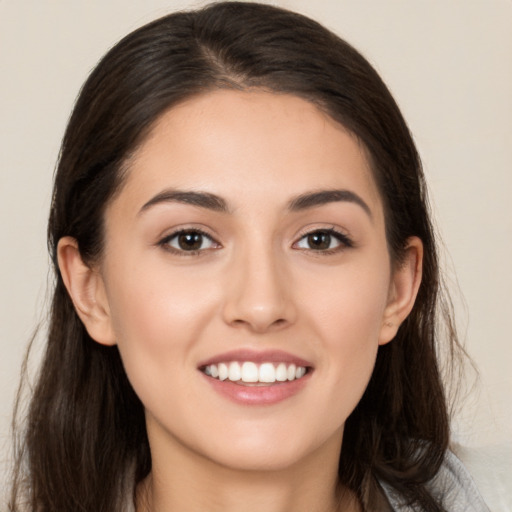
[344,239]
[186,229]
[329,228]
[343,235]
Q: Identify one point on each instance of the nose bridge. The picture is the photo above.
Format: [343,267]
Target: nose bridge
[258,294]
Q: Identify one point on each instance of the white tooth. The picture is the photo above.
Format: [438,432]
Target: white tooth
[267,373]
[234,372]
[249,372]
[207,370]
[214,371]
[223,371]
[300,372]
[281,373]
[291,372]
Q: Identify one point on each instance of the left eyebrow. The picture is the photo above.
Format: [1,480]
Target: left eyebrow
[321,197]
[201,199]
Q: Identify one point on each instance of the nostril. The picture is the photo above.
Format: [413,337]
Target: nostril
[260,325]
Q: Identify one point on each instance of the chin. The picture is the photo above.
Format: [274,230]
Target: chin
[258,460]
[277,451]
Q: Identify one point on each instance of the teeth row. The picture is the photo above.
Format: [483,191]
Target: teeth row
[251,372]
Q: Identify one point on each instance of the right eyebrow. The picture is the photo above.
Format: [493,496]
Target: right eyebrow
[201,199]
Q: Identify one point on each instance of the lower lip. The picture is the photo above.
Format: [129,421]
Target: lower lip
[257,395]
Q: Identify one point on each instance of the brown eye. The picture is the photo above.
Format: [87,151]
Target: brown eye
[319,241]
[189,241]
[324,240]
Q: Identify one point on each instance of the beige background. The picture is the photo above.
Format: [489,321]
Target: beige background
[449,64]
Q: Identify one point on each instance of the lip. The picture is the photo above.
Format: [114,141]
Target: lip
[254,395]
[257,395]
[264,356]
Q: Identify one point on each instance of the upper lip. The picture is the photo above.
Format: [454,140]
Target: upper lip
[262,356]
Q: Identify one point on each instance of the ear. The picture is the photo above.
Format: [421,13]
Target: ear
[405,283]
[87,291]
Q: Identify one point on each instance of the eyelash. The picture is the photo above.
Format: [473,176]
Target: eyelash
[165,242]
[344,242]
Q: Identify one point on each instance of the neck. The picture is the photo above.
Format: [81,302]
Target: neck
[200,484]
[250,492]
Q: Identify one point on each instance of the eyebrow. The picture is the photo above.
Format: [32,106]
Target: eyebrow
[218,204]
[321,197]
[201,199]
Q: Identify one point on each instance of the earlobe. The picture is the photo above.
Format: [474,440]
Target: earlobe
[86,289]
[404,288]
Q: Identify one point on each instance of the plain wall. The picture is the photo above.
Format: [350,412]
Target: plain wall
[449,65]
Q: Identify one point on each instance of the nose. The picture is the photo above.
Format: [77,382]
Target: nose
[259,292]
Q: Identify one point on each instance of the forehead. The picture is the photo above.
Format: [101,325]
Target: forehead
[242,144]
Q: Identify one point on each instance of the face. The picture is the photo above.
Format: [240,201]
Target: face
[246,279]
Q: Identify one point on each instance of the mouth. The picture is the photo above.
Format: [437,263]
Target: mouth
[256,378]
[252,373]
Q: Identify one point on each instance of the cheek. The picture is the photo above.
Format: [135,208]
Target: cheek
[349,305]
[347,315]
[157,317]
[154,303]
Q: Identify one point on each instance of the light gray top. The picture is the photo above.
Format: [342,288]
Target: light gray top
[452,487]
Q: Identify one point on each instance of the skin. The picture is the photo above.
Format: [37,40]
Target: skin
[255,283]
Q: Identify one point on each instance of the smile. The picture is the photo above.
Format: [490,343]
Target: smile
[256,377]
[249,372]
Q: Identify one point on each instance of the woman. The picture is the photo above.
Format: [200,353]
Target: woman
[246,308]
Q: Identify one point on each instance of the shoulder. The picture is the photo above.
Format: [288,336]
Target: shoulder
[452,487]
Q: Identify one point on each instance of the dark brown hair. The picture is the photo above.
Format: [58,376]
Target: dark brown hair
[85,442]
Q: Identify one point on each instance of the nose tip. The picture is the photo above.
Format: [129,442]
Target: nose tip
[259,319]
[258,296]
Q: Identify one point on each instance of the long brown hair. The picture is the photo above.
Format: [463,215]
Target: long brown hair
[85,440]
